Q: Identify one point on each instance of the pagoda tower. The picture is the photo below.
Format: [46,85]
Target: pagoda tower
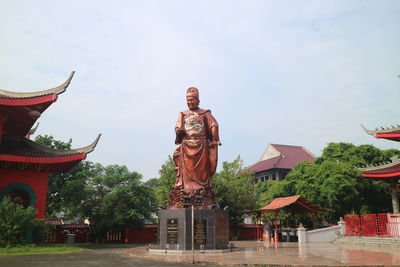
[388,172]
[25,165]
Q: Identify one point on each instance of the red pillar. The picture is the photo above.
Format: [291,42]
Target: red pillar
[276,226]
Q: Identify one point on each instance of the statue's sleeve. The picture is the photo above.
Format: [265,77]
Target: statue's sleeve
[214,137]
[179,126]
[212,127]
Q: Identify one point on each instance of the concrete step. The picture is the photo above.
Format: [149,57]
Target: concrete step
[369,240]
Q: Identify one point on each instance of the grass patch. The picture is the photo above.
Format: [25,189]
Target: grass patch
[39,249]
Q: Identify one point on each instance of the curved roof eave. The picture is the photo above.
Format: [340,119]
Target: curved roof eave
[89,148]
[18,146]
[33,130]
[382,130]
[43,160]
[22,95]
[394,161]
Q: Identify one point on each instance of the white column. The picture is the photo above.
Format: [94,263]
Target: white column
[301,234]
[342,225]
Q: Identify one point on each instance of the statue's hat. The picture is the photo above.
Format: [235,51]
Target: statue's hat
[192,91]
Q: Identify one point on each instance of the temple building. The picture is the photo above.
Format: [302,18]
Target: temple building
[388,172]
[24,164]
[277,161]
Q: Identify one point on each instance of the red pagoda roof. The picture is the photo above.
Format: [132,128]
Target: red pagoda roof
[14,148]
[390,133]
[297,204]
[287,157]
[387,171]
[21,110]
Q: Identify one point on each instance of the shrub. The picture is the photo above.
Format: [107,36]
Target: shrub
[16,223]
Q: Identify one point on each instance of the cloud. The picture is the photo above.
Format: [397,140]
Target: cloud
[292,72]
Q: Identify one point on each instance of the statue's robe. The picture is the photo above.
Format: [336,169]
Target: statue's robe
[195,159]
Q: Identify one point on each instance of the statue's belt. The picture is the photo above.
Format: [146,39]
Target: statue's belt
[195,137]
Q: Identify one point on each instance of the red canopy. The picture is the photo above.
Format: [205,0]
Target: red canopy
[296,204]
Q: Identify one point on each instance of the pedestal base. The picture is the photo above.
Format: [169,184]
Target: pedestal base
[211,229]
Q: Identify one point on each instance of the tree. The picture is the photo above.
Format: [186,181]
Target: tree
[333,185]
[166,182]
[356,155]
[152,183]
[332,181]
[234,189]
[15,222]
[64,188]
[111,197]
[116,199]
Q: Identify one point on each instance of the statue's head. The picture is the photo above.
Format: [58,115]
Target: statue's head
[192,98]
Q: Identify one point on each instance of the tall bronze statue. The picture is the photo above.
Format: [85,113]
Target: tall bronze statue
[196,156]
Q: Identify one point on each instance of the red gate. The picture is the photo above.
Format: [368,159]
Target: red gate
[384,224]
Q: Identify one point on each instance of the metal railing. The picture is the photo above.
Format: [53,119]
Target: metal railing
[383,224]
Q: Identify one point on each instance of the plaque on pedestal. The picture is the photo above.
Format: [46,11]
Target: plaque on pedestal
[211,229]
[200,231]
[172,231]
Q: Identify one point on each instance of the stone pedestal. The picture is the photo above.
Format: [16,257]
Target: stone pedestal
[211,229]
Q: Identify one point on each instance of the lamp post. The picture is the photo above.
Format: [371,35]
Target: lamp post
[187,202]
[192,233]
[198,201]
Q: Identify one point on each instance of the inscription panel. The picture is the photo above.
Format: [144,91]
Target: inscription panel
[200,231]
[221,231]
[172,231]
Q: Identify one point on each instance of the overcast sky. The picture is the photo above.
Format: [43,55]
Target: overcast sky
[286,72]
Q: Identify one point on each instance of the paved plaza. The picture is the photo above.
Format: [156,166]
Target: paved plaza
[310,254]
[95,256]
[248,253]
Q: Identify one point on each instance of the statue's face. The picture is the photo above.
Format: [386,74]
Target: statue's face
[192,102]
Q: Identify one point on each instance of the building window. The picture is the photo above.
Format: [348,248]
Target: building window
[273,177]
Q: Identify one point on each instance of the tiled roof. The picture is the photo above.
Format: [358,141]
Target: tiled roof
[390,133]
[24,109]
[20,146]
[56,90]
[289,157]
[54,221]
[294,203]
[386,170]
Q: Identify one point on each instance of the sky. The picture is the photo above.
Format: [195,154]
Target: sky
[300,73]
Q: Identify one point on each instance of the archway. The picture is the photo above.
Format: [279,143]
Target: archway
[20,193]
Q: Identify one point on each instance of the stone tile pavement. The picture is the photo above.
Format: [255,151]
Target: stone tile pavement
[248,253]
[309,254]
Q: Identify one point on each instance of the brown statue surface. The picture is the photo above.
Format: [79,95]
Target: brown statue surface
[196,156]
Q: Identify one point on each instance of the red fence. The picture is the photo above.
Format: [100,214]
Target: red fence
[384,224]
[146,235]
[58,233]
[246,232]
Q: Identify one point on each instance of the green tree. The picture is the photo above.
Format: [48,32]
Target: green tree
[234,189]
[64,188]
[332,181]
[356,155]
[166,182]
[333,185]
[15,222]
[267,191]
[152,183]
[117,199]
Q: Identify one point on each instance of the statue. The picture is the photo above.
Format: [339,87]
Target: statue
[196,156]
